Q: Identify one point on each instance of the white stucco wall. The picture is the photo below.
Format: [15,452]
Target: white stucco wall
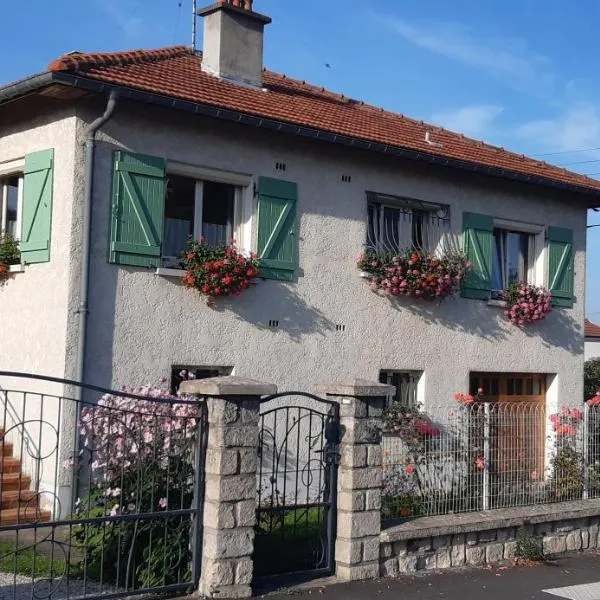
[141,324]
[35,307]
[592,348]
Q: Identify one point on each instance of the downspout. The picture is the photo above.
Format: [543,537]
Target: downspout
[90,146]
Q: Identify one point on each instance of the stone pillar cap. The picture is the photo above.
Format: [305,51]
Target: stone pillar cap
[227,386]
[358,388]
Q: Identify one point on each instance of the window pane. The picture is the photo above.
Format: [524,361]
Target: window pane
[516,256]
[12,197]
[217,215]
[510,387]
[372,225]
[179,214]
[498,282]
[406,383]
[518,387]
[419,224]
[392,218]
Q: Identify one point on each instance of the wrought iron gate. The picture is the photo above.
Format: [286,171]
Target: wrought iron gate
[99,498]
[297,479]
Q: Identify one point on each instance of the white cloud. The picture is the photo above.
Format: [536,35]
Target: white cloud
[124,15]
[471,120]
[507,59]
[578,127]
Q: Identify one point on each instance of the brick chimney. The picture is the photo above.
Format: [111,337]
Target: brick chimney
[233,41]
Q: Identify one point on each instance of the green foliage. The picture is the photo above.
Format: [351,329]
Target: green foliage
[9,250]
[24,561]
[528,547]
[567,475]
[591,377]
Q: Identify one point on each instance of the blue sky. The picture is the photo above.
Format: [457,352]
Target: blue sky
[517,73]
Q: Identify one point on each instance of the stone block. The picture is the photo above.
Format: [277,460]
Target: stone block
[494,553]
[245,513]
[348,552]
[441,541]
[362,431]
[373,499]
[218,572]
[232,592]
[444,558]
[358,524]
[243,571]
[360,479]
[222,412]
[593,531]
[250,413]
[574,541]
[353,456]
[563,527]
[374,455]
[221,461]
[420,546]
[231,487]
[430,562]
[219,515]
[390,568]
[357,572]
[353,408]
[510,550]
[472,538]
[370,549]
[457,554]
[485,537]
[228,543]
[242,436]
[351,500]
[475,555]
[407,564]
[554,544]
[585,539]
[248,460]
[386,550]
[400,548]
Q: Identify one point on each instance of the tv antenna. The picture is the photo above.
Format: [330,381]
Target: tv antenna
[194,17]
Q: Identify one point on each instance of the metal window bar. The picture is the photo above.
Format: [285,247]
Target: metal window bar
[137,465]
[460,458]
[406,384]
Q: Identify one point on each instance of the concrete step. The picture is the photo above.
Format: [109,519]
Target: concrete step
[10,464]
[14,498]
[14,481]
[14,516]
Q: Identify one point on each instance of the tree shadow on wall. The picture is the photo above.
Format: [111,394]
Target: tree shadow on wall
[456,314]
[272,306]
[559,330]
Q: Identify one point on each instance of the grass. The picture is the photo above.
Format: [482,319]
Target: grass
[30,563]
[289,541]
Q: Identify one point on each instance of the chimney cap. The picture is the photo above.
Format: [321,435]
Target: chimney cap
[241,7]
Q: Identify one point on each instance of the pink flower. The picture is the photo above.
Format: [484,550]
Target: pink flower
[163,503]
[534,475]
[409,469]
[480,463]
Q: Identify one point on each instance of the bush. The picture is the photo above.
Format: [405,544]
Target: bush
[591,377]
[141,460]
[527,546]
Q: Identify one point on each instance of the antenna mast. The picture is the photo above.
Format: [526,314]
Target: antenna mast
[194,25]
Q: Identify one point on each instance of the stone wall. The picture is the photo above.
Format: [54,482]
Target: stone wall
[403,550]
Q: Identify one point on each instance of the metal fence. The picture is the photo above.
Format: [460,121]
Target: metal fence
[101,498]
[481,455]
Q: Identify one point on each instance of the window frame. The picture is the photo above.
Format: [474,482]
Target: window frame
[242,205]
[418,377]
[536,249]
[8,170]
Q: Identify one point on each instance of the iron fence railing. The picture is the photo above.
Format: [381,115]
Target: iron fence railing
[483,455]
[100,498]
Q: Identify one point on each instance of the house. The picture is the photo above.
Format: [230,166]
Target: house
[108,162]
[592,340]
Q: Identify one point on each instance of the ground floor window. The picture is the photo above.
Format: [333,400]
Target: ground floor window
[181,373]
[406,384]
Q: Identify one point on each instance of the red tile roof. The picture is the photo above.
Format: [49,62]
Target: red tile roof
[591,329]
[176,72]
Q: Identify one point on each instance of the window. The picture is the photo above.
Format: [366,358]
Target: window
[11,194]
[181,373]
[512,253]
[195,207]
[406,384]
[396,223]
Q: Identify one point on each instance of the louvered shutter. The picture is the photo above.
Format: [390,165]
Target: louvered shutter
[560,265]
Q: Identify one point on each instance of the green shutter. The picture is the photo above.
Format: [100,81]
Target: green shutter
[478,234]
[560,265]
[37,207]
[277,245]
[138,201]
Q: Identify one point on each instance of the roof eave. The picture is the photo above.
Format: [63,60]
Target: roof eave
[31,84]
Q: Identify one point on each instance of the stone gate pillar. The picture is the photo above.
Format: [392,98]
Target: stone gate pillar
[360,476]
[230,499]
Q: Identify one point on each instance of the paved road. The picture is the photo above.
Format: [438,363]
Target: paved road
[568,578]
